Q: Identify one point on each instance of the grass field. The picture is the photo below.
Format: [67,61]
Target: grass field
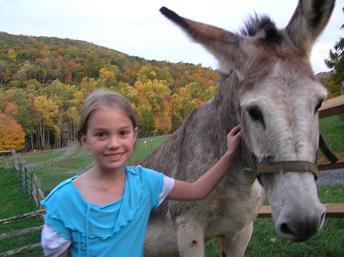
[42,156]
[51,174]
[145,146]
[332,128]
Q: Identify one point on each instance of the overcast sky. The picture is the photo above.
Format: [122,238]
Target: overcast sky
[137,28]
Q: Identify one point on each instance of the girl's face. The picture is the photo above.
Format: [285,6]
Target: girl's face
[110,137]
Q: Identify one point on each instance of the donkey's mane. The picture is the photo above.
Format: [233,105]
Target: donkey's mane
[256,23]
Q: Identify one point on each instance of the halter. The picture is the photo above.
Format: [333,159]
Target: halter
[297,166]
[287,166]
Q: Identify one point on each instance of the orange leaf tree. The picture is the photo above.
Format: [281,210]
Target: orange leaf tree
[12,135]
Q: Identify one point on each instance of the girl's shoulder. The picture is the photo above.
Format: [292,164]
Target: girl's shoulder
[143,172]
[147,177]
[62,190]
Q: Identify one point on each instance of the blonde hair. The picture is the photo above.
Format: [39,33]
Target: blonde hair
[103,98]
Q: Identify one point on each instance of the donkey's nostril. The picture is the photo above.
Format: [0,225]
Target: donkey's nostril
[284,228]
[300,230]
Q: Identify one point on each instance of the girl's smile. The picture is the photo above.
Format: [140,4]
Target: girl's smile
[114,156]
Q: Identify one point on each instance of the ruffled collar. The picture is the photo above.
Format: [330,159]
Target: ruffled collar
[131,199]
[102,221]
[132,170]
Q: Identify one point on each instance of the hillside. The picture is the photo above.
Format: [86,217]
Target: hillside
[43,82]
[49,58]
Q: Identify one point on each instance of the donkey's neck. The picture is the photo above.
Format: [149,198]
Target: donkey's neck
[201,140]
[226,101]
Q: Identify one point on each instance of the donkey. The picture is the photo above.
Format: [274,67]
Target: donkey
[267,85]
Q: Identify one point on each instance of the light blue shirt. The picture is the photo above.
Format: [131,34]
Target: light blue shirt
[113,230]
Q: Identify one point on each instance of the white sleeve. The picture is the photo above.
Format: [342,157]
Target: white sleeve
[167,187]
[52,243]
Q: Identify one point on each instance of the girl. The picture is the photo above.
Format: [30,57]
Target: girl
[105,211]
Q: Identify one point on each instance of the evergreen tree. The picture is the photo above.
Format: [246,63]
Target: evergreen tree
[335,61]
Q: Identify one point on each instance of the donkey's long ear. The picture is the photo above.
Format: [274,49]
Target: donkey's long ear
[308,21]
[222,44]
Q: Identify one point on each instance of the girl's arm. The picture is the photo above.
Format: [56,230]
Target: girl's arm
[202,187]
[54,244]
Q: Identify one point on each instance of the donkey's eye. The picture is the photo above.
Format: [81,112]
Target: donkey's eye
[317,107]
[256,114]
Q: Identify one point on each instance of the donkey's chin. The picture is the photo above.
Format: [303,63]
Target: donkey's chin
[299,230]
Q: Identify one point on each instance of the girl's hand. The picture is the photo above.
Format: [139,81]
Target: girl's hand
[233,139]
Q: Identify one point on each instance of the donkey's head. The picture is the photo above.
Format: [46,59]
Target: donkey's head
[278,101]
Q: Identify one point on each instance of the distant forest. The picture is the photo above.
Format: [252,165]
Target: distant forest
[44,81]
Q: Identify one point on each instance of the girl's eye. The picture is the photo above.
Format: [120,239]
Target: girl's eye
[124,133]
[100,134]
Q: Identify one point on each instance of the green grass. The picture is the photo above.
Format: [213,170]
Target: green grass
[53,173]
[332,129]
[328,242]
[13,202]
[41,156]
[143,150]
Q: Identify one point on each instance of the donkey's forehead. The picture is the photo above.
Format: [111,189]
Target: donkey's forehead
[280,83]
[285,69]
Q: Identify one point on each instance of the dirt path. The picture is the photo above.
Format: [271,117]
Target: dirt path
[330,177]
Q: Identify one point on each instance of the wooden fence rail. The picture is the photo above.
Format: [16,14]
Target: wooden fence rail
[332,106]
[333,210]
[20,232]
[20,250]
[23,216]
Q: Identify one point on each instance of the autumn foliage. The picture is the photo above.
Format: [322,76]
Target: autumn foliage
[44,82]
[12,135]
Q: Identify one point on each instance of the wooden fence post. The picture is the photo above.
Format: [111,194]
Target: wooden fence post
[22,175]
[29,181]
